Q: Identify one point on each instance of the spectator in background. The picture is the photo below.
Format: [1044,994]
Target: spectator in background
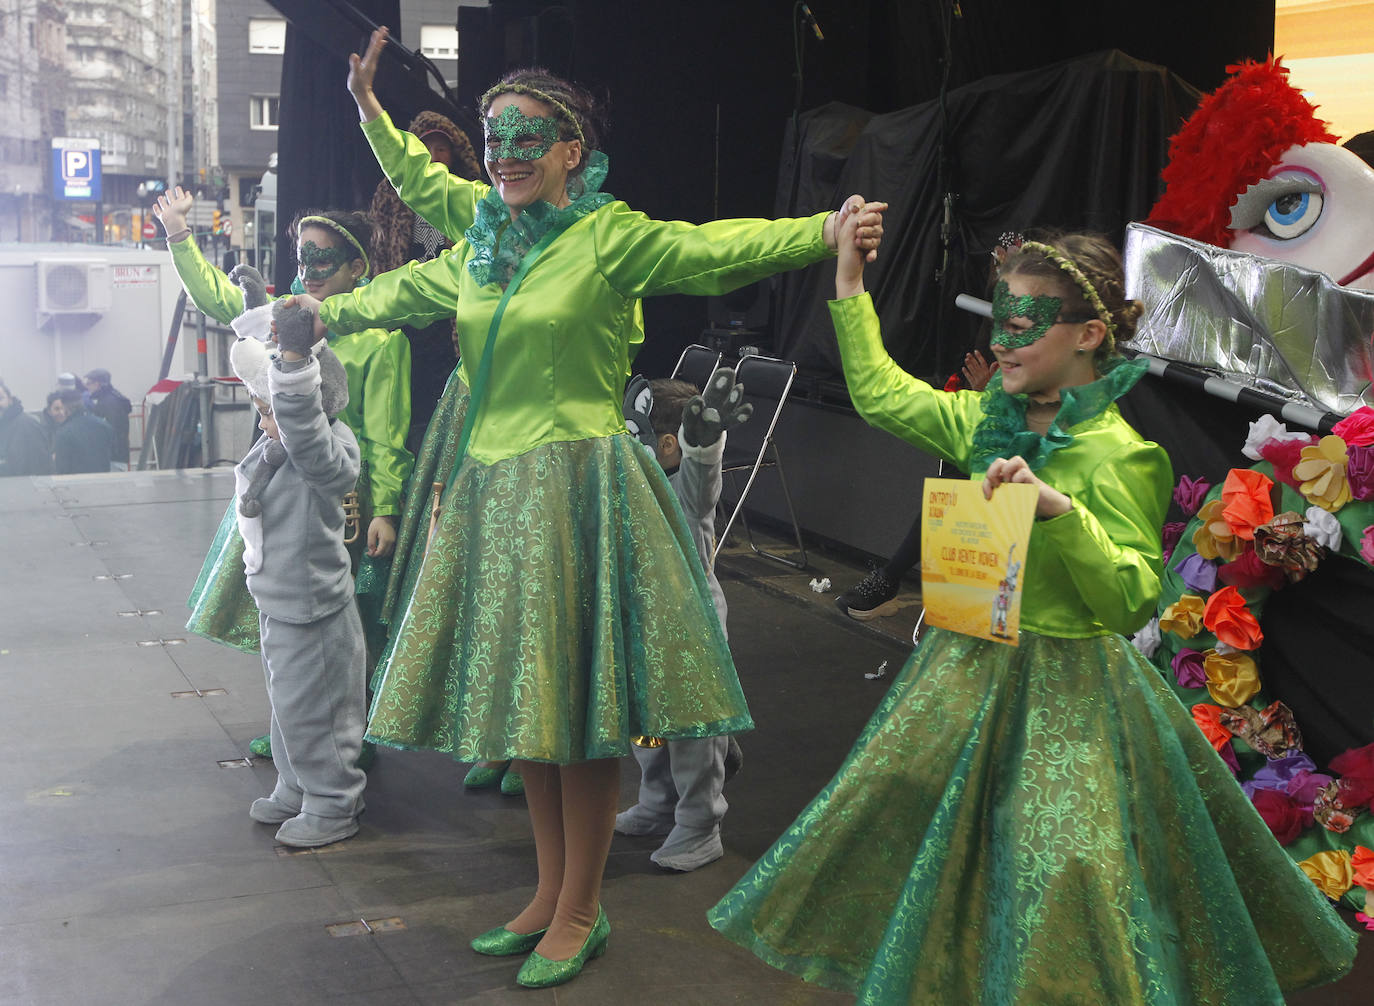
[66,381]
[83,442]
[103,400]
[23,442]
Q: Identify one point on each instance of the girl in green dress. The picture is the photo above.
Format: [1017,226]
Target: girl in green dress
[1041,823]
[560,608]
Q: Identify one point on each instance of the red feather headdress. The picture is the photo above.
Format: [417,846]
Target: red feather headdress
[1237,134]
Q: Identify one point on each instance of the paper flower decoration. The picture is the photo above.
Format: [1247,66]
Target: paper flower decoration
[1246,503]
[1271,731]
[1283,455]
[1323,528]
[1321,474]
[1330,871]
[1267,429]
[1283,543]
[1214,538]
[1281,812]
[1208,719]
[1184,617]
[1173,531]
[1226,617]
[1359,472]
[1250,571]
[1356,429]
[1232,679]
[1147,639]
[1362,867]
[1198,573]
[1188,668]
[1189,494]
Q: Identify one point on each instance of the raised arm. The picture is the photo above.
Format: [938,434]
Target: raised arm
[431,190]
[209,289]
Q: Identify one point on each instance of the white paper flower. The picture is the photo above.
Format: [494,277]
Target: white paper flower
[1265,429]
[1147,639]
[1322,526]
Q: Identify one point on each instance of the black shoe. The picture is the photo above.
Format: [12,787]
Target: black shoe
[872,596]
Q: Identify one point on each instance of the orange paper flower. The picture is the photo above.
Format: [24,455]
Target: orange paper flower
[1214,538]
[1227,618]
[1246,503]
[1330,871]
[1208,719]
[1232,678]
[1184,617]
[1321,473]
[1362,864]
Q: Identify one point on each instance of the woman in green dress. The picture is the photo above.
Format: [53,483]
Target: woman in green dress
[1041,823]
[560,608]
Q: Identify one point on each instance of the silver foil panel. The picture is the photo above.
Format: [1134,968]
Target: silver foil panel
[1263,323]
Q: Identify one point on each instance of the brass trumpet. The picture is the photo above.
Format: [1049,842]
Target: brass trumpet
[352,517]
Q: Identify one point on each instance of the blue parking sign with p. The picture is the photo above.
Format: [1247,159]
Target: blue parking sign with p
[76,169]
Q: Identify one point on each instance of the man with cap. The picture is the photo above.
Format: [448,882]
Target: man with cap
[104,401]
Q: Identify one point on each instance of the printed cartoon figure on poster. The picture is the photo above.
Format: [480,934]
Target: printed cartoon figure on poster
[1006,589]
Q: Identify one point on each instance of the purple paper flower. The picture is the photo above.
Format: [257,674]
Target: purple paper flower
[1278,772]
[1173,531]
[1305,786]
[1198,573]
[1188,669]
[1228,755]
[1359,471]
[1190,493]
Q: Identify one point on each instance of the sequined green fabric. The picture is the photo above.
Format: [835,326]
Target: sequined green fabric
[1040,824]
[560,609]
[221,607]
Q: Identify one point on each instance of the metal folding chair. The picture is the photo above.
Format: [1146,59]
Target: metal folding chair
[696,365]
[753,446]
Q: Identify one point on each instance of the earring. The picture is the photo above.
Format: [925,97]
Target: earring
[1080,352]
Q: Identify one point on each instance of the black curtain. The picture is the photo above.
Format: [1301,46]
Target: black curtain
[1076,145]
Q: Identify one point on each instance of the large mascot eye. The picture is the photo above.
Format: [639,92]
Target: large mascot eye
[1293,214]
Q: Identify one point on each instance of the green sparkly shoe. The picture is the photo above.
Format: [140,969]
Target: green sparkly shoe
[484,776]
[261,747]
[501,942]
[539,972]
[512,784]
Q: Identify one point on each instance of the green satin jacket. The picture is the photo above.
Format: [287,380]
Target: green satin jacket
[1091,571]
[377,363]
[562,354]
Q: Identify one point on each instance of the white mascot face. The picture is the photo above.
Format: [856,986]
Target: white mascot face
[1315,209]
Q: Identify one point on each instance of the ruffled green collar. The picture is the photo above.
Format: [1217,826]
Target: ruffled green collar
[1003,432]
[499,243]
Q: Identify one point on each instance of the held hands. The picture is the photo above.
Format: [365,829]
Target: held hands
[362,72]
[860,232]
[1050,503]
[721,406]
[312,306]
[171,209]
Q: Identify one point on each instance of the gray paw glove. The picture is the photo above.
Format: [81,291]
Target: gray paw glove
[294,327]
[715,410]
[250,281]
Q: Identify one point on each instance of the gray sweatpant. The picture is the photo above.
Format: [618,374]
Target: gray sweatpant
[315,677]
[685,779]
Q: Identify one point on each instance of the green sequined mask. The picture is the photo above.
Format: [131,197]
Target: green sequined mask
[513,134]
[1041,311]
[318,264]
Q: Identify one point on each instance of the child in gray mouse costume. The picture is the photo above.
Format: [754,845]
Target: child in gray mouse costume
[682,781]
[290,489]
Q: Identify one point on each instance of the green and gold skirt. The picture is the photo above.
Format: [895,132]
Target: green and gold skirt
[1038,824]
[560,609]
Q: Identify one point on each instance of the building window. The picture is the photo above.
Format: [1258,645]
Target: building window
[264,110]
[267,35]
[4,86]
[439,41]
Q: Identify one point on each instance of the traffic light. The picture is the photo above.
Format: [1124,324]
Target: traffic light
[216,222]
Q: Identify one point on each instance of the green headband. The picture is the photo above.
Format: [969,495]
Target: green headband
[343,232]
[561,109]
[1090,294]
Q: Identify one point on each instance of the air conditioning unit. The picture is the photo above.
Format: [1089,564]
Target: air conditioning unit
[73,286]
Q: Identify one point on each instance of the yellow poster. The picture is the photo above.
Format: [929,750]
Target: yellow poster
[972,554]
